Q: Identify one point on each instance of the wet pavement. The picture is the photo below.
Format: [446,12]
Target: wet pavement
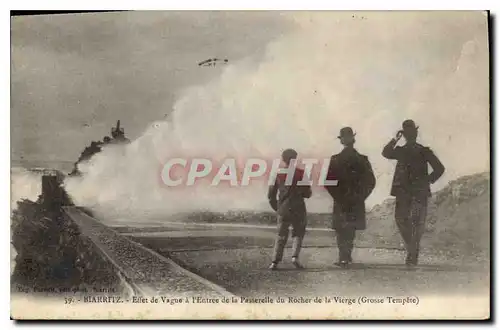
[237,259]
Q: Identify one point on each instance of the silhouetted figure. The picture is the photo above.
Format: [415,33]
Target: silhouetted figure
[355,183]
[411,186]
[291,209]
[106,140]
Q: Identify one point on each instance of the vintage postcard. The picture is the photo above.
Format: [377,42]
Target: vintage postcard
[323,165]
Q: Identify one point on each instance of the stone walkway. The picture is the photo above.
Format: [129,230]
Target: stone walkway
[148,271]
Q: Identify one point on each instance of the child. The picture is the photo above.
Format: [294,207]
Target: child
[291,209]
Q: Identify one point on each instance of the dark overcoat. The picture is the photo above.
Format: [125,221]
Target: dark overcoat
[355,183]
[411,176]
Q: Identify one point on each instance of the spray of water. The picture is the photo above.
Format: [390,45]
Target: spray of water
[366,70]
[24,185]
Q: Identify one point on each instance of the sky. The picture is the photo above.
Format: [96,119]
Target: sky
[294,79]
[74,75]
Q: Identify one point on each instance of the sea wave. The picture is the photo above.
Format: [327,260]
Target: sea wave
[25,184]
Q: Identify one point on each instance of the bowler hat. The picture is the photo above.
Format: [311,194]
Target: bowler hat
[346,132]
[409,125]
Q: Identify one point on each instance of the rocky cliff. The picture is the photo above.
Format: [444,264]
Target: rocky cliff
[458,221]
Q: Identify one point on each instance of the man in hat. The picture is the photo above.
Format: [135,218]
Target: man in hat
[355,183]
[411,186]
[290,207]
